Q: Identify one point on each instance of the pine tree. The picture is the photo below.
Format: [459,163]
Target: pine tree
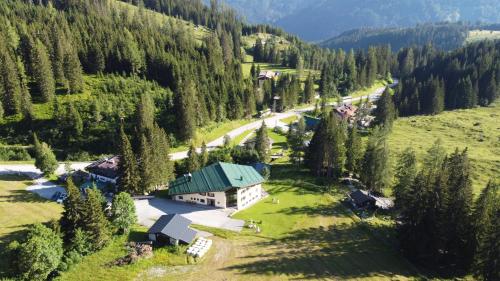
[262,142]
[184,105]
[375,172]
[75,120]
[146,165]
[192,161]
[42,71]
[129,179]
[386,111]
[203,155]
[163,168]
[45,160]
[309,93]
[145,114]
[72,217]
[10,87]
[354,154]
[405,174]
[487,233]
[26,103]
[73,71]
[96,223]
[296,138]
[337,135]
[457,221]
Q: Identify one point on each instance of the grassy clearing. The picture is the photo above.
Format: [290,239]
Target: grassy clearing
[308,235]
[19,209]
[480,35]
[212,132]
[477,129]
[199,32]
[239,138]
[249,41]
[94,267]
[292,118]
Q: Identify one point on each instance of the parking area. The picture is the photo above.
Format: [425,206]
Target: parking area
[149,210]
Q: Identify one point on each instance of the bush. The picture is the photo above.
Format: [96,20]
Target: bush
[14,154]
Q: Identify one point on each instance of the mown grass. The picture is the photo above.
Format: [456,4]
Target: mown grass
[212,132]
[19,209]
[476,129]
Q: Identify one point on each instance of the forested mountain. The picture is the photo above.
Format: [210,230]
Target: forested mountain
[443,36]
[322,19]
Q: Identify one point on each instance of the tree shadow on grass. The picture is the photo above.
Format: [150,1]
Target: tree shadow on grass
[339,252]
[22,196]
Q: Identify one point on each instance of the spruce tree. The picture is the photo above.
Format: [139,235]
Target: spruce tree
[146,165]
[163,167]
[309,93]
[354,154]
[145,114]
[10,87]
[203,155]
[129,172]
[45,160]
[262,142]
[184,106]
[487,233]
[375,172]
[192,161]
[386,111]
[73,71]
[405,174]
[42,71]
[72,217]
[296,138]
[96,223]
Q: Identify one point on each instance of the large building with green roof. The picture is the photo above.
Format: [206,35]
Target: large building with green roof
[222,185]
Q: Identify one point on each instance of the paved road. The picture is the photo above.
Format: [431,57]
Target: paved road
[274,121]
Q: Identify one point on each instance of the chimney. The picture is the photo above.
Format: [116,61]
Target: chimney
[189,176]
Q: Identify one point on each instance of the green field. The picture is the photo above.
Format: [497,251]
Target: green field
[477,129]
[19,209]
[480,35]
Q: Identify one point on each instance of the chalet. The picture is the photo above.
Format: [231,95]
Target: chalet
[267,74]
[105,170]
[221,185]
[346,111]
[172,229]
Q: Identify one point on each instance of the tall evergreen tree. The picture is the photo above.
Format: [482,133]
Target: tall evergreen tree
[487,233]
[73,71]
[72,217]
[203,155]
[145,114]
[354,154]
[192,161]
[184,105]
[375,172]
[262,142]
[309,93]
[129,179]
[405,174]
[296,138]
[42,71]
[10,91]
[96,223]
[146,165]
[385,112]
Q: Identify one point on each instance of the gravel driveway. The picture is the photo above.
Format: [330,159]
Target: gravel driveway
[149,210]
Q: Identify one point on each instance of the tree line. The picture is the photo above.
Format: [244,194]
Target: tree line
[439,224]
[434,81]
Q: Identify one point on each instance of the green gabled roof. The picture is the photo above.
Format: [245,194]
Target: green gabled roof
[216,178]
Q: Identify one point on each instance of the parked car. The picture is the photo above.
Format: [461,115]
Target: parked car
[61,198]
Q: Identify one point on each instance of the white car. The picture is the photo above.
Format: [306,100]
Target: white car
[61,198]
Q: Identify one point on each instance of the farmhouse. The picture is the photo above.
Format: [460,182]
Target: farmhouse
[346,111]
[105,170]
[222,185]
[172,229]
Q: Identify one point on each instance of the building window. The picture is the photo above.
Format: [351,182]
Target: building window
[210,194]
[202,200]
[203,193]
[180,197]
